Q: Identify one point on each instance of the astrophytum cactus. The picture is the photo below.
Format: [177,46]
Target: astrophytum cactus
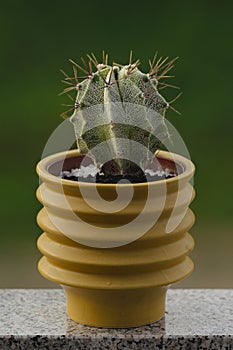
[119,114]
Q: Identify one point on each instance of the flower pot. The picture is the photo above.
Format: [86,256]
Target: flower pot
[124,283]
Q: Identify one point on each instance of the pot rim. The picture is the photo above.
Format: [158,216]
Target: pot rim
[45,175]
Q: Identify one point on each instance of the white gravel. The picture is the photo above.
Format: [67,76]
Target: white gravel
[160,173]
[83,171]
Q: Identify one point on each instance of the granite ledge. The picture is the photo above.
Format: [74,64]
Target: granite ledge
[195,319]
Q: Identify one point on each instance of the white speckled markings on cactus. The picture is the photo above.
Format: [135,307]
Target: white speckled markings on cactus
[123,98]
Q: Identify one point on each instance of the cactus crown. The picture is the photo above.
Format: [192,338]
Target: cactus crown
[116,103]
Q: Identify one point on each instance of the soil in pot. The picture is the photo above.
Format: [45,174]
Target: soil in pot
[155,170]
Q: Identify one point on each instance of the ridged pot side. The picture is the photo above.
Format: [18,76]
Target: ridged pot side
[125,285]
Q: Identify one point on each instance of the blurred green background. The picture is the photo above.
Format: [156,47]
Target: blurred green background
[36,40]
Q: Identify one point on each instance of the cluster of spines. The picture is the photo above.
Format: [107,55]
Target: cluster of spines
[159,69]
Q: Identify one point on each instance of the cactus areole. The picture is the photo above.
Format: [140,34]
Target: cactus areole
[119,114]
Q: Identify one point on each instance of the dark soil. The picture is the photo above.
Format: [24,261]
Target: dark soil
[109,173]
[112,179]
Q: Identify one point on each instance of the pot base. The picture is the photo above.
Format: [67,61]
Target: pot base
[115,308]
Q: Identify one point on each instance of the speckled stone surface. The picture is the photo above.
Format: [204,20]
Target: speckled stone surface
[195,319]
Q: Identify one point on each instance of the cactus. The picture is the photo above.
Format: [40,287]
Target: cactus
[113,92]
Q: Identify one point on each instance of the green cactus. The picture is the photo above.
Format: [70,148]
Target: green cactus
[114,92]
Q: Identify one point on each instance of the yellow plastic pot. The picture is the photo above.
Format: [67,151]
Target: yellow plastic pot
[125,285]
